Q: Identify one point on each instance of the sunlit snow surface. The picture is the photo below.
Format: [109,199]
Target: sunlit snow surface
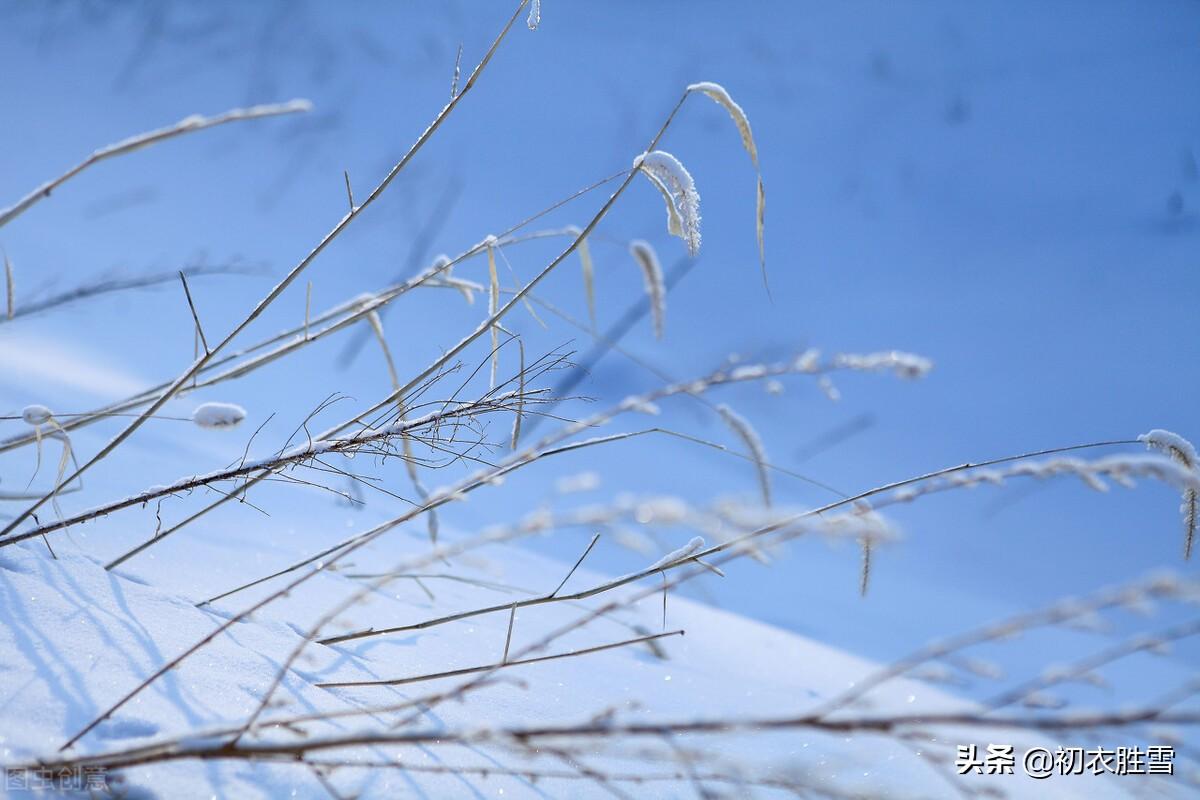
[75,638]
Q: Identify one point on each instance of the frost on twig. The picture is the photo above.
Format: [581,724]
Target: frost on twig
[718,94]
[675,556]
[376,323]
[905,365]
[195,122]
[1183,453]
[37,416]
[1121,469]
[519,411]
[760,219]
[443,266]
[875,525]
[652,274]
[745,431]
[10,288]
[679,192]
[110,284]
[589,273]
[493,303]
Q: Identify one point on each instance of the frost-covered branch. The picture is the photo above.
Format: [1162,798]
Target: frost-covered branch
[559,441]
[189,373]
[348,445]
[111,285]
[196,122]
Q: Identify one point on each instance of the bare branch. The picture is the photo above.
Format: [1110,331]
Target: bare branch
[504,662]
[187,125]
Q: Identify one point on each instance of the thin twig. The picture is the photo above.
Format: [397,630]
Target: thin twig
[512,617]
[204,750]
[567,577]
[188,125]
[187,375]
[109,285]
[349,191]
[10,287]
[737,542]
[182,380]
[307,308]
[195,317]
[504,663]
[272,464]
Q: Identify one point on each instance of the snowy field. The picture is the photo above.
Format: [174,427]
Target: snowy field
[81,636]
[791,434]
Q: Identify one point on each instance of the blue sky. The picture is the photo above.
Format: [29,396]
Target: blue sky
[1010,190]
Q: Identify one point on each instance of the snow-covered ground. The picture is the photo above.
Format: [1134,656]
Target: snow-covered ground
[77,637]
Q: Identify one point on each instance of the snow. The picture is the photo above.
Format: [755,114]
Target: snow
[1173,444]
[721,96]
[692,546]
[36,415]
[905,365]
[668,174]
[218,415]
[121,628]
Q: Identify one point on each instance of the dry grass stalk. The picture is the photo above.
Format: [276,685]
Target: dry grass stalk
[105,286]
[218,745]
[377,430]
[493,302]
[1183,453]
[369,440]
[519,412]
[588,272]
[647,261]
[195,316]
[719,95]
[758,452]
[262,305]
[675,184]
[504,662]
[190,124]
[10,288]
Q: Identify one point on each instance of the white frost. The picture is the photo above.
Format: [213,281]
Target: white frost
[678,555]
[218,415]
[718,93]
[36,415]
[905,365]
[666,172]
[656,288]
[1172,444]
